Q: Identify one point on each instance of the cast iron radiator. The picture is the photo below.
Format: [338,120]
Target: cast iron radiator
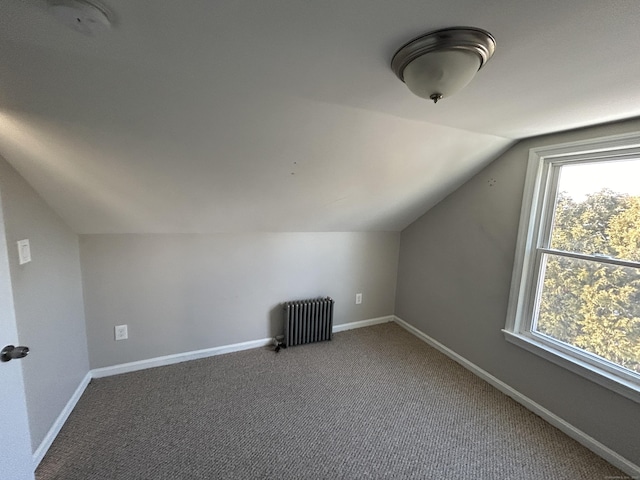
[307,321]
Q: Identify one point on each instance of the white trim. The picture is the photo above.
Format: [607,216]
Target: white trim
[177,358]
[610,142]
[362,323]
[51,435]
[526,227]
[589,442]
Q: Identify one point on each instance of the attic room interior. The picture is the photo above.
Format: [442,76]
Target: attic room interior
[173,173]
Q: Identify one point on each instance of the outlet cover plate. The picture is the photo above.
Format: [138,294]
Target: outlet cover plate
[121,332]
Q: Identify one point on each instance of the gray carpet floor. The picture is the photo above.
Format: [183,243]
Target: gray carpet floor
[373,403]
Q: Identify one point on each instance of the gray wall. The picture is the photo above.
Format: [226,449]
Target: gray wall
[179,293]
[48,302]
[454,277]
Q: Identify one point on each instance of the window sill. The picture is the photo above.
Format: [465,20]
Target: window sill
[591,372]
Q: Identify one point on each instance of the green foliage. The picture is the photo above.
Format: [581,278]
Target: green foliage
[624,231]
[591,305]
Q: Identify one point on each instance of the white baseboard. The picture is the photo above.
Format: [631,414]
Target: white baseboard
[210,352]
[42,449]
[589,442]
[177,358]
[362,323]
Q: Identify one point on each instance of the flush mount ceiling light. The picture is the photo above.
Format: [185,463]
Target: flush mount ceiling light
[85,16]
[440,63]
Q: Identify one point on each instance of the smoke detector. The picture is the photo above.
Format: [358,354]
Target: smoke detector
[85,16]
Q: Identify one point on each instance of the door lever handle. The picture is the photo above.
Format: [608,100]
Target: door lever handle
[10,352]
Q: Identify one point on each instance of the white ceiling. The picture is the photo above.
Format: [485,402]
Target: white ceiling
[282,115]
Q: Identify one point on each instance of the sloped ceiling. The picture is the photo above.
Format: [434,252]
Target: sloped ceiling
[283,115]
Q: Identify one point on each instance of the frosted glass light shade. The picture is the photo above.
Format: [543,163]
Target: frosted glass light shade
[441,73]
[440,63]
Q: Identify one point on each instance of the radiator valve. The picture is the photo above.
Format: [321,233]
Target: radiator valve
[278,342]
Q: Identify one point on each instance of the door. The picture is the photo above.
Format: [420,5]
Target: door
[16,460]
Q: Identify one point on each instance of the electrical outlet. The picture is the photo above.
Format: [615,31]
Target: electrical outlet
[358,298]
[121,332]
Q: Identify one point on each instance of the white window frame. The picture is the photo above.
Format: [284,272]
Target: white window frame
[535,223]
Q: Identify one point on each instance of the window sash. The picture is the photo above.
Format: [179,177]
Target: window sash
[585,356]
[529,328]
[593,258]
[534,236]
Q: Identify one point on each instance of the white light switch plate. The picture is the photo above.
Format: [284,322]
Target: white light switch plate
[24,251]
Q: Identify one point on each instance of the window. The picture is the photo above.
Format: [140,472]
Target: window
[575,293]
